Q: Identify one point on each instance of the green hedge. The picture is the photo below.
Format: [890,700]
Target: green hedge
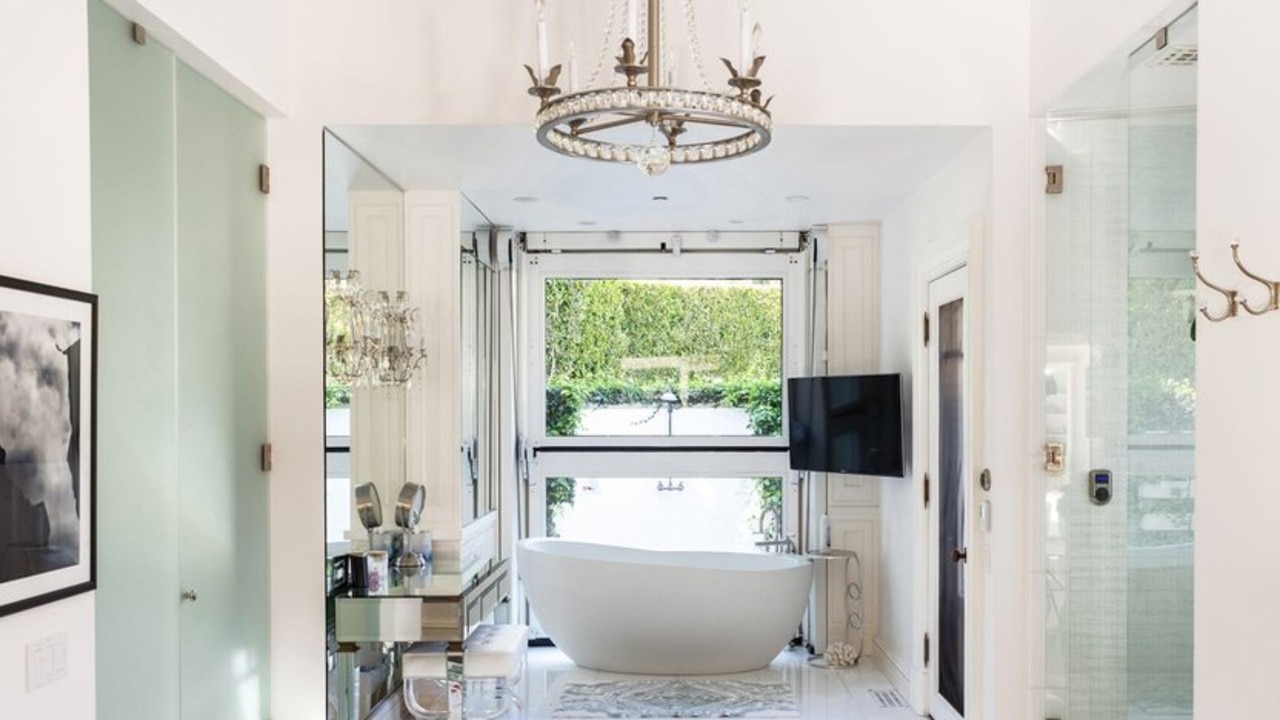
[336,395]
[728,336]
[727,332]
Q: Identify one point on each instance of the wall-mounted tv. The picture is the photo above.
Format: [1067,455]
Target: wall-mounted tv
[846,424]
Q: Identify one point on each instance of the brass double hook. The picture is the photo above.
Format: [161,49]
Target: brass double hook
[1232,297]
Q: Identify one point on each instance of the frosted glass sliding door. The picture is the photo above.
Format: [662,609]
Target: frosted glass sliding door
[179,267]
[131,137]
[222,403]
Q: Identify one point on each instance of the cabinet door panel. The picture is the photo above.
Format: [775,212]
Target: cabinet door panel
[861,534]
[852,490]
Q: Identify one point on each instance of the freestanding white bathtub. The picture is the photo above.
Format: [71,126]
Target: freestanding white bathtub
[664,613]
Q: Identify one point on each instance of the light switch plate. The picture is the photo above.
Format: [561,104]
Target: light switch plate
[46,661]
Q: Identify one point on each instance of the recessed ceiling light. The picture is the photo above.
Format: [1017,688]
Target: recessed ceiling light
[660,198]
[797,198]
[525,199]
[587,223]
[735,222]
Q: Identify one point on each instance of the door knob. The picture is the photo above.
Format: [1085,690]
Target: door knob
[960,555]
[189,595]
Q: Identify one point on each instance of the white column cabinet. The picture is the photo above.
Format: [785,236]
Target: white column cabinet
[853,347]
[435,443]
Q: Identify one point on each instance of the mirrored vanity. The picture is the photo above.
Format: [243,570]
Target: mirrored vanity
[414,437]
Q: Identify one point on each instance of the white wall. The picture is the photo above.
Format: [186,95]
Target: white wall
[238,44]
[408,62]
[941,213]
[44,198]
[1237,493]
[1069,38]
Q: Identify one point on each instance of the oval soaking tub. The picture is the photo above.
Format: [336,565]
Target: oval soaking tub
[664,613]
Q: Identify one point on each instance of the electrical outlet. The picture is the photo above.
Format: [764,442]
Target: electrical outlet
[46,661]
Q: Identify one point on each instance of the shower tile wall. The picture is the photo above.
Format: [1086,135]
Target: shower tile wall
[1161,454]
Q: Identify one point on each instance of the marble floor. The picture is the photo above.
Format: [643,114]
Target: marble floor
[852,693]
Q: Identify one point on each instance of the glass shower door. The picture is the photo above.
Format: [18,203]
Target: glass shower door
[1119,396]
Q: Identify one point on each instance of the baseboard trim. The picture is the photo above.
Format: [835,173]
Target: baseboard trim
[892,668]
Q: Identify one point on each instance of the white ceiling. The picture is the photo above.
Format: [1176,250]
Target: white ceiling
[847,174]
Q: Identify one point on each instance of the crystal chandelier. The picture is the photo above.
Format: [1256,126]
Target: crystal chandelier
[656,124]
[369,336]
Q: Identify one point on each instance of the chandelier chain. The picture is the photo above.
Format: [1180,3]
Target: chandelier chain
[615,21]
[664,42]
[695,50]
[642,29]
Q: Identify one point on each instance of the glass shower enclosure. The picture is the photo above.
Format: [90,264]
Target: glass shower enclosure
[1119,393]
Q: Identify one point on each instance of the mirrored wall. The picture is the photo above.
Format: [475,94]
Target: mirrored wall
[387,351]
[359,201]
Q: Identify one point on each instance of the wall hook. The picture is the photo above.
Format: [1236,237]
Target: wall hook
[1230,295]
[1273,287]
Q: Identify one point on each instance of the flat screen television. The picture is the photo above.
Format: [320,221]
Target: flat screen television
[846,424]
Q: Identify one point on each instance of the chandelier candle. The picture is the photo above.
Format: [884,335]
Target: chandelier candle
[543,62]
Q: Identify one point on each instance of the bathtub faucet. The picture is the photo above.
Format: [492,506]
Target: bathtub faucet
[774,529]
[785,546]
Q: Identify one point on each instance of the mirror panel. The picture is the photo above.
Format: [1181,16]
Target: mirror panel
[363,229]
[478,317]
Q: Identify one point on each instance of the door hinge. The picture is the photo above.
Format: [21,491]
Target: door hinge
[264,179]
[926,490]
[1054,180]
[266,457]
[926,329]
[926,649]
[139,34]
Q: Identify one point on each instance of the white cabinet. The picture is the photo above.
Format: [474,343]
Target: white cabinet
[436,441]
[851,586]
[853,501]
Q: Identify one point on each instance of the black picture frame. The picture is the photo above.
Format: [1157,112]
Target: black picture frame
[48,429]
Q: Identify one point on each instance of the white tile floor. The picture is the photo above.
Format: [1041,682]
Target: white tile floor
[821,692]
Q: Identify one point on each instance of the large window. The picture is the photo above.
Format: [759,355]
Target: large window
[656,397]
[669,351]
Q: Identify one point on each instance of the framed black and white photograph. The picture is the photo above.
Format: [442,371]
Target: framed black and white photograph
[48,358]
